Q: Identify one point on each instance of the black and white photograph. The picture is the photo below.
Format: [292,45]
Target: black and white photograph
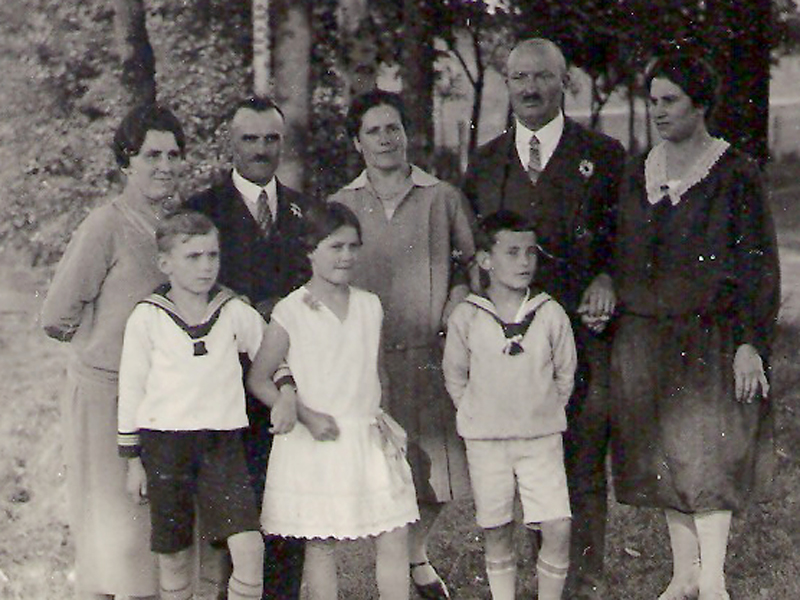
[400,300]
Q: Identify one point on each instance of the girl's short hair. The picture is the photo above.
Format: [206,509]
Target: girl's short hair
[182,222]
[694,75]
[494,223]
[361,104]
[131,132]
[321,220]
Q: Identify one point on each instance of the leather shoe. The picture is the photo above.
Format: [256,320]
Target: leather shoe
[435,590]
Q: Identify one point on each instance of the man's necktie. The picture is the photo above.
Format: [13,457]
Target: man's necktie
[263,213]
[535,160]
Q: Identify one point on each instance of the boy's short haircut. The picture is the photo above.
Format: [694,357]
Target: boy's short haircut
[494,223]
[323,219]
[182,222]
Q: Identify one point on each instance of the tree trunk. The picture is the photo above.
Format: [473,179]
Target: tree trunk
[633,144]
[262,55]
[742,60]
[477,98]
[292,72]
[417,72]
[138,62]
[358,40]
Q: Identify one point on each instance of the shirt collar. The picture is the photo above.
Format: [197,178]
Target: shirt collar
[548,136]
[250,192]
[418,177]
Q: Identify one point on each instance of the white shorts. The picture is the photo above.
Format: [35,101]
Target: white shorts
[534,467]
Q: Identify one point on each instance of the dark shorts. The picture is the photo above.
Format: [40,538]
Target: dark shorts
[206,469]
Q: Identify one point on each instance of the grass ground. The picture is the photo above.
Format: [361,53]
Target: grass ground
[35,550]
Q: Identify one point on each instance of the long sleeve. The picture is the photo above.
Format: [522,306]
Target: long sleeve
[133,373]
[605,230]
[755,262]
[565,359]
[455,364]
[463,250]
[79,277]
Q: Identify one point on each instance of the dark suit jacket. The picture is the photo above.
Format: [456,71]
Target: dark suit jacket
[573,204]
[263,268]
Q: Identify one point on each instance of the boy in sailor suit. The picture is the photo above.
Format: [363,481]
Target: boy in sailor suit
[182,410]
[509,365]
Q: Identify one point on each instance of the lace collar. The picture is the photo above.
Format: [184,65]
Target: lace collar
[655,172]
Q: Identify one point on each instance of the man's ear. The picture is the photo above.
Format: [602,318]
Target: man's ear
[566,79]
[357,145]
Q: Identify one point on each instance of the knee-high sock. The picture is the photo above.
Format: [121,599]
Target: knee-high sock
[713,528]
[244,590]
[182,593]
[685,553]
[319,571]
[551,578]
[502,575]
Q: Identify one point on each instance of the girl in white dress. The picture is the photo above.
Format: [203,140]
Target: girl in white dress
[341,472]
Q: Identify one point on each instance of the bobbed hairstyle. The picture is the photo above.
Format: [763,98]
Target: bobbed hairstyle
[494,223]
[362,103]
[130,134]
[693,74]
[322,219]
[257,104]
[181,223]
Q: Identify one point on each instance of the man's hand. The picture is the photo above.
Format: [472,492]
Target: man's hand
[598,303]
[284,413]
[749,376]
[136,481]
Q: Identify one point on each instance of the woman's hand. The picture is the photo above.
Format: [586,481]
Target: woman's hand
[322,427]
[749,376]
[284,413]
[136,481]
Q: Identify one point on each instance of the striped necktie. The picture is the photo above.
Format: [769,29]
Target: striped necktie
[534,160]
[263,213]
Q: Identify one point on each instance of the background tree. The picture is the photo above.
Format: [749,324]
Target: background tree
[138,63]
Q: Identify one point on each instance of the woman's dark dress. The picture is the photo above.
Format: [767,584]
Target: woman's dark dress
[696,280]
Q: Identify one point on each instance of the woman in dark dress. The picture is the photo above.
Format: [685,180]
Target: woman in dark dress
[699,284]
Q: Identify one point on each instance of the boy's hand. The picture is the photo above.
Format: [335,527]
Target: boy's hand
[284,413]
[322,427]
[136,483]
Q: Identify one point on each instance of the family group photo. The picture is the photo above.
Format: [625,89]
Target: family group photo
[424,299]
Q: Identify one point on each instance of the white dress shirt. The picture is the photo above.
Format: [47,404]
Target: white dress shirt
[250,192]
[548,137]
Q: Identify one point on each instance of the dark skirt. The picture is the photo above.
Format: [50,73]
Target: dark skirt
[680,439]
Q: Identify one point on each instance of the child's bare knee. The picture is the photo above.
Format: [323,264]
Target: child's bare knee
[499,541]
[176,564]
[555,538]
[247,551]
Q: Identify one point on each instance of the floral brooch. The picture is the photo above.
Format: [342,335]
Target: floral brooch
[296,210]
[586,168]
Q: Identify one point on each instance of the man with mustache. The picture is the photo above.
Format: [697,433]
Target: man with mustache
[564,178]
[260,222]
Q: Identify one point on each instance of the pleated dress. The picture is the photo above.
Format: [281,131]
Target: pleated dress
[349,487]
